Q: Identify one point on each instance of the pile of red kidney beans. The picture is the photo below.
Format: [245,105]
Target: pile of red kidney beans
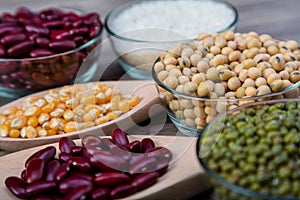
[102,168]
[29,34]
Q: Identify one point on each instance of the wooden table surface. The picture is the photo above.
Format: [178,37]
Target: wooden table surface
[276,17]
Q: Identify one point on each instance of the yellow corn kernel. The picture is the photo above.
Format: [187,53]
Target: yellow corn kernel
[71,127]
[10,111]
[23,132]
[41,132]
[57,112]
[85,125]
[2,119]
[113,115]
[124,105]
[19,113]
[33,111]
[40,102]
[45,125]
[115,102]
[18,122]
[48,108]
[89,99]
[72,103]
[55,123]
[134,101]
[30,132]
[102,120]
[52,98]
[101,98]
[68,115]
[51,132]
[43,118]
[7,122]
[14,133]
[4,130]
[32,121]
[61,106]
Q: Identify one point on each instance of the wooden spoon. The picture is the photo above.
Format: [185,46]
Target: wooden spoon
[185,177]
[146,90]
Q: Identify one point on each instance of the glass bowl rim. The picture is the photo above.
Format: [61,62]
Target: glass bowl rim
[130,4]
[223,181]
[174,92]
[81,47]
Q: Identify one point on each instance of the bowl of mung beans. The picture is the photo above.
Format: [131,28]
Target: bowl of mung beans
[221,71]
[252,152]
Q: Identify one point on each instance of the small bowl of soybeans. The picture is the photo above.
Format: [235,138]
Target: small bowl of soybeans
[252,152]
[46,47]
[221,71]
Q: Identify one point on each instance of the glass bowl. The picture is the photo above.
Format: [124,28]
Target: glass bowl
[137,43]
[189,113]
[252,152]
[23,75]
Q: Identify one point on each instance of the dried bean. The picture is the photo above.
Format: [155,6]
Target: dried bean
[100,193]
[16,186]
[35,170]
[107,162]
[111,178]
[120,137]
[145,180]
[160,153]
[80,163]
[143,165]
[51,169]
[134,146]
[20,48]
[65,144]
[40,187]
[79,193]
[72,183]
[146,144]
[122,191]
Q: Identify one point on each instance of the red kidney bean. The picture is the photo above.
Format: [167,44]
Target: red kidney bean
[95,29]
[160,153]
[91,140]
[51,169]
[120,137]
[134,146]
[12,38]
[108,143]
[60,34]
[80,193]
[62,172]
[62,45]
[81,175]
[16,186]
[145,180]
[24,12]
[121,152]
[63,156]
[40,52]
[32,36]
[80,30]
[42,41]
[35,170]
[32,156]
[7,67]
[91,18]
[2,51]
[107,162]
[10,29]
[143,165]
[65,144]
[46,154]
[72,183]
[24,175]
[78,40]
[40,187]
[162,167]
[78,22]
[20,48]
[136,157]
[111,178]
[76,150]
[7,18]
[53,24]
[122,191]
[37,29]
[146,144]
[101,193]
[80,163]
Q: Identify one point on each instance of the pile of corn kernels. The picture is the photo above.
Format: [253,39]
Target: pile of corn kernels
[65,110]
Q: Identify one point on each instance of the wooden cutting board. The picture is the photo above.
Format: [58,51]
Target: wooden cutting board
[146,90]
[184,179]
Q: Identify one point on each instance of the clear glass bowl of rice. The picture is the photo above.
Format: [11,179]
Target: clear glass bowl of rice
[140,30]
